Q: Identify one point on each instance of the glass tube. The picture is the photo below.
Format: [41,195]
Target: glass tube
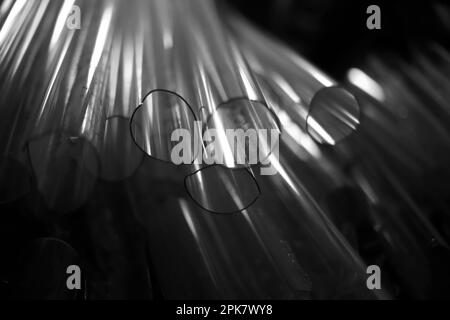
[300,85]
[32,31]
[71,114]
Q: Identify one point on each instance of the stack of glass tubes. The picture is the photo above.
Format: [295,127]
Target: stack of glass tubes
[84,111]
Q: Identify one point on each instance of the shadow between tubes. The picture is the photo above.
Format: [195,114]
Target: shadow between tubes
[15,179]
[65,169]
[119,156]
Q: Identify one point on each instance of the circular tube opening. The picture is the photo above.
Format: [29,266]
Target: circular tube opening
[220,190]
[333,115]
[161,115]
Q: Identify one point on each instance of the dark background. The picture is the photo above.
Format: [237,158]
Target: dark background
[333,34]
